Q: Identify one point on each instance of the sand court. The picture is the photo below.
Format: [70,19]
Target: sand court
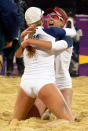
[8,92]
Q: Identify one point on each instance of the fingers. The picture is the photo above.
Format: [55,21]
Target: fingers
[24,43]
[31,28]
[27,31]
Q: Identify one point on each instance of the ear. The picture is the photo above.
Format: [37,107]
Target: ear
[64,22]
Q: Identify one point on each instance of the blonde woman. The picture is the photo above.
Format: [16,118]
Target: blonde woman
[38,79]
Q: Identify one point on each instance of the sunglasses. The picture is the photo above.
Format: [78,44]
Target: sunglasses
[55,17]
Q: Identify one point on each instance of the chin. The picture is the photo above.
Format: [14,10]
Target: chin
[51,26]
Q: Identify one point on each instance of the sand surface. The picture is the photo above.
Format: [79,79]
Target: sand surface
[8,93]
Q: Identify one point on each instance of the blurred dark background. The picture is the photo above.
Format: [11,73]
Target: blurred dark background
[71,6]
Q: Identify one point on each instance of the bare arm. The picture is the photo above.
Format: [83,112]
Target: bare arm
[19,52]
[38,43]
[49,45]
[27,31]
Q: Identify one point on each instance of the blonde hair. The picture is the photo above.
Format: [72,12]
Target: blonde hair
[31,50]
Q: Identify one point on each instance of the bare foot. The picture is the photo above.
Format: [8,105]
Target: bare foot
[46,116]
[14,122]
[40,126]
[56,122]
[75,116]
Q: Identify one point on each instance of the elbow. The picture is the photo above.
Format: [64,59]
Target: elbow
[49,47]
[17,55]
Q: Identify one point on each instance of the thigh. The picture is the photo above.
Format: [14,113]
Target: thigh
[50,94]
[54,100]
[23,105]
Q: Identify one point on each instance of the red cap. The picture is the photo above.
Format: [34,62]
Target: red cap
[59,12]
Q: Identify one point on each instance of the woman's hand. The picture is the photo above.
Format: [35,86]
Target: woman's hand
[27,31]
[25,43]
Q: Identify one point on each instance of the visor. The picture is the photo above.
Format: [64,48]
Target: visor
[60,13]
